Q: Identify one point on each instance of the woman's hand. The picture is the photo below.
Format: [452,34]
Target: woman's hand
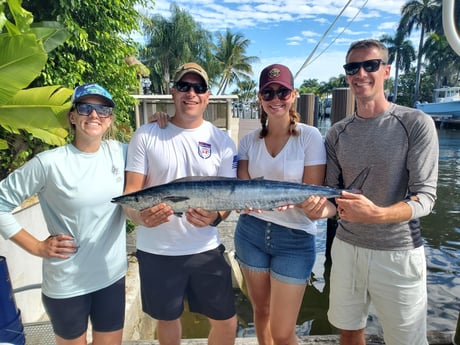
[316,207]
[60,246]
[161,118]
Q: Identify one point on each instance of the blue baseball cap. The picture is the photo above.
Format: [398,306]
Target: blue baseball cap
[91,90]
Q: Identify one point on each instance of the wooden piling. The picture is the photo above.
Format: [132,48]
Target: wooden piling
[343,103]
[306,108]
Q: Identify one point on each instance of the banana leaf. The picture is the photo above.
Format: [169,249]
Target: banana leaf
[41,110]
[52,34]
[21,60]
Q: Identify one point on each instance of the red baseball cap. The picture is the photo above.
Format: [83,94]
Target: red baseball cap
[276,74]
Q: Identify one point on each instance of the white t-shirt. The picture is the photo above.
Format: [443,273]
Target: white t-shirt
[164,155]
[303,150]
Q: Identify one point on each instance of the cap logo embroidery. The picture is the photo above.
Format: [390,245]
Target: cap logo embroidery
[274,73]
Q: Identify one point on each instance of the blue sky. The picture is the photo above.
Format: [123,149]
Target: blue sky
[289,31]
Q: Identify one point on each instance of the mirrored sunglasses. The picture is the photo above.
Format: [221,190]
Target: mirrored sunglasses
[268,94]
[184,86]
[86,109]
[373,65]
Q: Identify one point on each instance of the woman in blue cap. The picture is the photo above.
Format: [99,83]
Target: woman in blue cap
[84,258]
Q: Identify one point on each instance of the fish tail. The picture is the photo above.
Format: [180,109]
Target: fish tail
[357,185]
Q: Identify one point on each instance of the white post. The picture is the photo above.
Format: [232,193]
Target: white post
[449,26]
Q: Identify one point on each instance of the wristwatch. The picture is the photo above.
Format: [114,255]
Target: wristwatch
[218,220]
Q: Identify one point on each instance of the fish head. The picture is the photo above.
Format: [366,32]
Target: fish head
[136,201]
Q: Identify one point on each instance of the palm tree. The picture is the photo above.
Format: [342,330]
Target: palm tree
[246,90]
[419,14]
[231,59]
[444,61]
[402,53]
[172,42]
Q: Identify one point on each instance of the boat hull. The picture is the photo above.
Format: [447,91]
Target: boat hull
[443,108]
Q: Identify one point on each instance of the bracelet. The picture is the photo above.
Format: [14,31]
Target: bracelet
[218,220]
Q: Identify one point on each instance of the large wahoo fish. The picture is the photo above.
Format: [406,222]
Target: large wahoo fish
[226,194]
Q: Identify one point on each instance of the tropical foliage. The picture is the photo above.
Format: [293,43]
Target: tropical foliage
[401,53]
[44,44]
[172,42]
[178,39]
[246,90]
[34,112]
[232,61]
[443,61]
[97,49]
[48,44]
[423,15]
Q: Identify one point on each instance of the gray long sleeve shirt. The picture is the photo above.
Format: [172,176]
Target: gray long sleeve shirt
[400,146]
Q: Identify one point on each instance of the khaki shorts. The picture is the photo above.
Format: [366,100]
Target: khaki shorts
[393,281]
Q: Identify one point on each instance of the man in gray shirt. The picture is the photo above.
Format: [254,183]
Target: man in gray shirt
[378,254]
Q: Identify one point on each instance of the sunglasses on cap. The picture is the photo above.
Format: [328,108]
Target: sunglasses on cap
[282,93]
[184,86]
[86,109]
[373,65]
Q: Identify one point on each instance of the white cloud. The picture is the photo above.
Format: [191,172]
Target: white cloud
[288,31]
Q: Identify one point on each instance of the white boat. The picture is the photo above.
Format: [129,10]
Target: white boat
[446,102]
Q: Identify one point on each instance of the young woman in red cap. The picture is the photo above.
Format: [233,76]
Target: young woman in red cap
[276,249]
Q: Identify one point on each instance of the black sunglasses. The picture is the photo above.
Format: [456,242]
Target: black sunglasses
[184,86]
[86,109]
[373,65]
[268,94]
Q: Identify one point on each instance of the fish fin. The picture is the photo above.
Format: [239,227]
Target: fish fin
[202,178]
[357,184]
[178,214]
[175,198]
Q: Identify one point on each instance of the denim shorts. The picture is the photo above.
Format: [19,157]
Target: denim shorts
[288,254]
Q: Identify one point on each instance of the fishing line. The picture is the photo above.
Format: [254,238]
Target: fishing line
[340,34]
[307,61]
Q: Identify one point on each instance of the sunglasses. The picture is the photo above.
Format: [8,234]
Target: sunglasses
[268,94]
[86,109]
[184,86]
[373,65]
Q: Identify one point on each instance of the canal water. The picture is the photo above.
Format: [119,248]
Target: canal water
[441,232]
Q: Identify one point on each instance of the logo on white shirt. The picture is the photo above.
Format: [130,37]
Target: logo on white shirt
[204,150]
